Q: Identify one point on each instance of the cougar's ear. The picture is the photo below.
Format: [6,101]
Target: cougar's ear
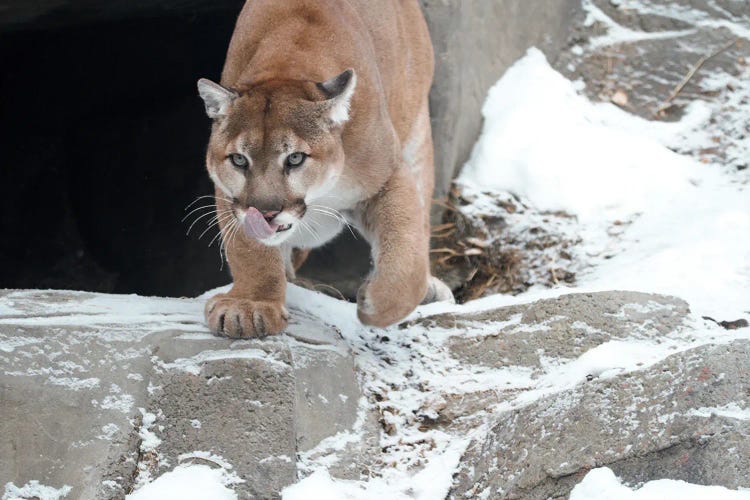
[339,91]
[216,98]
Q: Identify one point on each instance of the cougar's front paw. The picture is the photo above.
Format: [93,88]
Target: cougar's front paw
[237,317]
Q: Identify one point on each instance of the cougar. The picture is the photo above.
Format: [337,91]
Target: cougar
[322,119]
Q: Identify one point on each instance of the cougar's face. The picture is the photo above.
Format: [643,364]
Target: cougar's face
[274,149]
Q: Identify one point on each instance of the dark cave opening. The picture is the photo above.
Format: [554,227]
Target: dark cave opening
[103,141]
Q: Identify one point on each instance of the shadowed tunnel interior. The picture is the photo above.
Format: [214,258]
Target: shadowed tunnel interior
[103,139]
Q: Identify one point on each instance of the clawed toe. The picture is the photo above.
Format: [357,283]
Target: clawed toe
[237,317]
[437,291]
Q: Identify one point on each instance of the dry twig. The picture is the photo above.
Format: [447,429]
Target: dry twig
[676,91]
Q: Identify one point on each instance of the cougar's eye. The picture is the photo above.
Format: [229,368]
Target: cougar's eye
[238,160]
[295,159]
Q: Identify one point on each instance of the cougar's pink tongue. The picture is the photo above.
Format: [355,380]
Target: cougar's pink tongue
[256,226]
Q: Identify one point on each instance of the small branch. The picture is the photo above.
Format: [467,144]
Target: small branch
[205,460]
[676,91]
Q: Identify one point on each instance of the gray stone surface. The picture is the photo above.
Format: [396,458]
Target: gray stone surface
[79,371]
[531,340]
[475,42]
[566,327]
[670,421]
[241,410]
[104,393]
[668,44]
[649,69]
[66,401]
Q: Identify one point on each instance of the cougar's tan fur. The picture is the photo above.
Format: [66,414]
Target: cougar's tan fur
[346,82]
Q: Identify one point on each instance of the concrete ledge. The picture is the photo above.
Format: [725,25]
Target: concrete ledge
[103,393]
[100,394]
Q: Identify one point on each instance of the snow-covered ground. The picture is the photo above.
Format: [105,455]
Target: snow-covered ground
[651,216]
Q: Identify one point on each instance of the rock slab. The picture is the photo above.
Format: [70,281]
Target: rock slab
[102,393]
[686,417]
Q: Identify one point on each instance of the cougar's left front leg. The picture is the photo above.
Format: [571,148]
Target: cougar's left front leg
[254,307]
[396,225]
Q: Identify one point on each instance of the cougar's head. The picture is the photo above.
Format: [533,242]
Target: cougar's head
[275,147]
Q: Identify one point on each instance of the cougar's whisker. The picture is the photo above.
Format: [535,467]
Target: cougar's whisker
[222,245]
[204,197]
[310,229]
[219,234]
[196,209]
[219,219]
[232,236]
[196,221]
[335,215]
[197,200]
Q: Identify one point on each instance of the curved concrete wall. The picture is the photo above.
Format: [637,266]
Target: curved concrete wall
[475,42]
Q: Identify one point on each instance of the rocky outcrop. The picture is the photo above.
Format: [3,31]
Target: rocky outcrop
[685,418]
[100,394]
[103,393]
[620,379]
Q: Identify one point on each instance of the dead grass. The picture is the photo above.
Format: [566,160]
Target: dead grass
[461,255]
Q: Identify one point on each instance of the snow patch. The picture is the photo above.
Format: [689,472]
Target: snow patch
[620,34]
[121,402]
[187,481]
[545,142]
[687,230]
[33,489]
[602,484]
[320,484]
[193,365]
[149,440]
[730,410]
[10,343]
[109,431]
[127,315]
[73,383]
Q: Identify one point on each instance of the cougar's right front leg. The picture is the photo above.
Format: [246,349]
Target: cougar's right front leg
[254,307]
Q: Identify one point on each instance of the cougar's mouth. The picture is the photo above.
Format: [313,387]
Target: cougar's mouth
[261,227]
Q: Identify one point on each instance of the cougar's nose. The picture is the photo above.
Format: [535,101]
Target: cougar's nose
[270,214]
[268,206]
